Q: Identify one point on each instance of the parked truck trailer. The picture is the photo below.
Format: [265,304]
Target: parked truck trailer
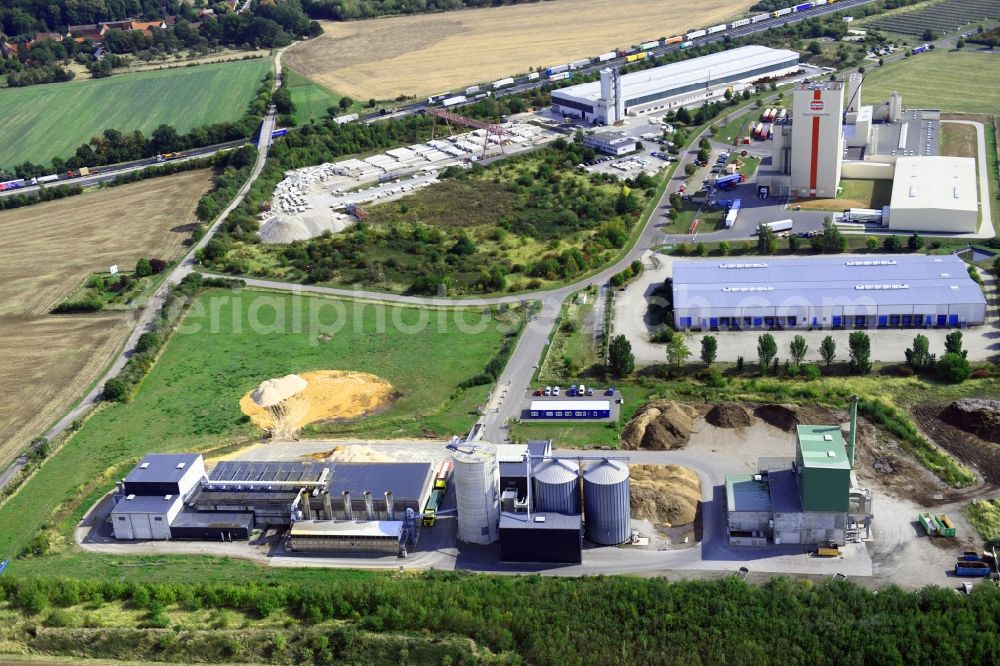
[779,225]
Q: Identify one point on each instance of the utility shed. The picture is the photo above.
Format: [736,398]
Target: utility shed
[934,194]
[544,537]
[822,469]
[165,474]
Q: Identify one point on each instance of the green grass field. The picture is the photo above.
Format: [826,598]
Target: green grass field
[189,402]
[948,80]
[41,122]
[311,99]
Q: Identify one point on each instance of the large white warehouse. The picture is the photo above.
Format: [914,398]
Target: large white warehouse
[935,194]
[678,84]
[894,291]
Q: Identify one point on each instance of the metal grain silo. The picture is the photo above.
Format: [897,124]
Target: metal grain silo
[477,492]
[606,502]
[557,486]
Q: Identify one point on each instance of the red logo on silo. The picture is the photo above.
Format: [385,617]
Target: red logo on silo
[816,105]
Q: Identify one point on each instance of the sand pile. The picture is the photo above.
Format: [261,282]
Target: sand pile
[352,453]
[729,415]
[329,395]
[659,426]
[285,228]
[979,417]
[664,494]
[787,417]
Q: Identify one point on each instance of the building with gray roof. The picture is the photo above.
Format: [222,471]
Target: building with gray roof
[684,83]
[908,291]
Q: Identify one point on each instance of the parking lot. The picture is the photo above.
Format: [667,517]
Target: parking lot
[561,397]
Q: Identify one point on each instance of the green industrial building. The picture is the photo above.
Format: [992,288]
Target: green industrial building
[822,468]
[808,499]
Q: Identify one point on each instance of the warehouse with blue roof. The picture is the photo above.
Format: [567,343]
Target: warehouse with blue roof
[873,291]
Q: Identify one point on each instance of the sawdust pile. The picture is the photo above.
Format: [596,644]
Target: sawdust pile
[664,494]
[729,415]
[329,395]
[660,425]
[352,453]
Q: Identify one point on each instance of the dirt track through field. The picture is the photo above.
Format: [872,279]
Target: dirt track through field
[433,53]
[49,249]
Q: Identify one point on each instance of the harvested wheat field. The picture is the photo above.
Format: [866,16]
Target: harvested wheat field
[329,395]
[433,53]
[666,495]
[49,249]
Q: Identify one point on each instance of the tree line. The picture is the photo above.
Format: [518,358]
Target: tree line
[268,25]
[343,10]
[565,620]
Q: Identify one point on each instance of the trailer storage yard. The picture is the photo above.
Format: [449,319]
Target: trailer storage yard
[330,196]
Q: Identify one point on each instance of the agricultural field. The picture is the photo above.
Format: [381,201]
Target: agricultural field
[940,18]
[519,224]
[228,344]
[50,360]
[433,53]
[44,121]
[311,100]
[938,79]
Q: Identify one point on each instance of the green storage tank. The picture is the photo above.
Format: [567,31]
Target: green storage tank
[822,467]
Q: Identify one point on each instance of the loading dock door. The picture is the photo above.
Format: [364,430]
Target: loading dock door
[953,320]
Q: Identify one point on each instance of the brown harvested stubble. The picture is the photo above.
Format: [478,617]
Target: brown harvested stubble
[48,361]
[433,53]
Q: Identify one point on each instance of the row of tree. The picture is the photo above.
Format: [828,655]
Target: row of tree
[565,619]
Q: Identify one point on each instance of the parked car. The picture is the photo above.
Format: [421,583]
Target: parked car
[548,390]
[538,392]
[555,390]
[581,390]
[590,391]
[610,391]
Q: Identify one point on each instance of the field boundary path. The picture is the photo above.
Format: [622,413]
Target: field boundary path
[146,316]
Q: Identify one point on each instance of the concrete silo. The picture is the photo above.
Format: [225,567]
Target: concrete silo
[477,492]
[557,486]
[606,502]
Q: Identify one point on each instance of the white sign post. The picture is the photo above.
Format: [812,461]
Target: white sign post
[114,269]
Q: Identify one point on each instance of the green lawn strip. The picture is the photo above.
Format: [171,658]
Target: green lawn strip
[44,121]
[227,344]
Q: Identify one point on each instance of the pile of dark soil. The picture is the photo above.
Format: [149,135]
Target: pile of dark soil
[980,417]
[729,415]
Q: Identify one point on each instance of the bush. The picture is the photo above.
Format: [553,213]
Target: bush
[116,389]
[810,371]
[953,368]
